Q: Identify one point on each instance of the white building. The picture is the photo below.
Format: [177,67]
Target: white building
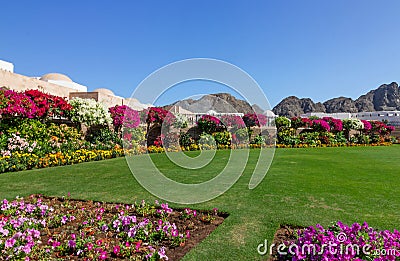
[340,115]
[391,117]
[6,66]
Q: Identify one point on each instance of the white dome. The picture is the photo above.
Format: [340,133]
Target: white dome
[269,113]
[105,91]
[55,77]
[211,112]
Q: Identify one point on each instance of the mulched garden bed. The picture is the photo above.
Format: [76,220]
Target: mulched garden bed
[88,230]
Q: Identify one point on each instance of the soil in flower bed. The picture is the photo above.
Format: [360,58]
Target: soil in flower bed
[101,230]
[285,233]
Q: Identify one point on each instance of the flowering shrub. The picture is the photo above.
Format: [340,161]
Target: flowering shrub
[253,119]
[180,121]
[125,116]
[133,137]
[342,242]
[48,105]
[336,125]
[331,132]
[31,104]
[381,128]
[175,119]
[16,143]
[209,124]
[233,121]
[16,104]
[352,124]
[156,115]
[321,125]
[45,137]
[89,112]
[367,125]
[299,122]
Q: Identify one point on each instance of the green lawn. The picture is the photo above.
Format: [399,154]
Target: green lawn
[303,187]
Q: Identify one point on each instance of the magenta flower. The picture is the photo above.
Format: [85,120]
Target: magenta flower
[9,243]
[321,125]
[116,250]
[125,116]
[253,119]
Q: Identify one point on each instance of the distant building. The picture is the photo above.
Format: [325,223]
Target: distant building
[340,115]
[391,117]
[61,85]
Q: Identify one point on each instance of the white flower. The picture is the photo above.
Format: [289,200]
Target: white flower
[90,112]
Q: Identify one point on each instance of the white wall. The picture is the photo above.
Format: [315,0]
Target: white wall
[6,66]
[72,85]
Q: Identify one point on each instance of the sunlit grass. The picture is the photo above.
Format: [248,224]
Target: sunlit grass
[303,187]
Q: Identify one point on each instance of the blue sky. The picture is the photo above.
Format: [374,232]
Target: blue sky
[316,49]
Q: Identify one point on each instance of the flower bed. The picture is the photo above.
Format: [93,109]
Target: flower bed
[25,161]
[336,242]
[39,228]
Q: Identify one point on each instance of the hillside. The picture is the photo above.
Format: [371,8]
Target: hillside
[385,97]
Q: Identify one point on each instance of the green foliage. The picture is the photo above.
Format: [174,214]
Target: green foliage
[340,138]
[186,140]
[282,122]
[259,140]
[207,139]
[222,138]
[310,138]
[103,138]
[287,136]
[42,137]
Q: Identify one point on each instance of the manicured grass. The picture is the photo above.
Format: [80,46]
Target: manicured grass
[303,187]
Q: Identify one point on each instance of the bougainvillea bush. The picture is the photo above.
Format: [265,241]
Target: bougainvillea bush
[233,121]
[42,228]
[342,243]
[124,116]
[32,104]
[253,119]
[89,112]
[49,105]
[156,115]
[209,124]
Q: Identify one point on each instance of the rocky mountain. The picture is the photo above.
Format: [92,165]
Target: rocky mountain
[385,98]
[219,102]
[293,106]
[341,104]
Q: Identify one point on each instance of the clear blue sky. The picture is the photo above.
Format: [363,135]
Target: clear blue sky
[317,49]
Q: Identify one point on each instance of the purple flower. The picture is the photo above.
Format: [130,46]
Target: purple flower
[71,244]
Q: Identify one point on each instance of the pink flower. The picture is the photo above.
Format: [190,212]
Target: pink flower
[9,243]
[116,250]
